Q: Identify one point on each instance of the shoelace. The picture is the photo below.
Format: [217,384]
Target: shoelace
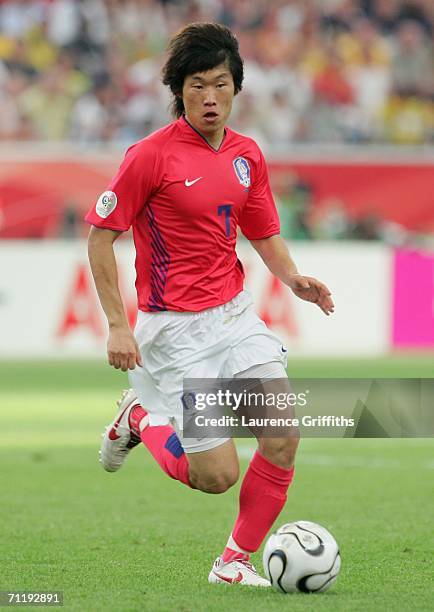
[247,564]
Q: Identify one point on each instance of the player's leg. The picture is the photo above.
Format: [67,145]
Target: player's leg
[263,494]
[215,470]
[210,465]
[265,484]
[213,464]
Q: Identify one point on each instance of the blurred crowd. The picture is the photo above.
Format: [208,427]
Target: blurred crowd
[316,70]
[302,219]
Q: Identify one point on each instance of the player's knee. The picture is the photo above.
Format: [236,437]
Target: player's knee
[220,484]
[215,483]
[280,451]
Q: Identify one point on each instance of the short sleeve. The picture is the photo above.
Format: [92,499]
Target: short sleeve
[128,191]
[259,218]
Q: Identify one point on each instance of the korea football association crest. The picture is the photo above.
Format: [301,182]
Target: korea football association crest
[242,170]
[106,204]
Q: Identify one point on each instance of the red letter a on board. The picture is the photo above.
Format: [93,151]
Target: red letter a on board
[276,308]
[81,306]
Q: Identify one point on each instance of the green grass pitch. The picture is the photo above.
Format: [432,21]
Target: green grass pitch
[137,540]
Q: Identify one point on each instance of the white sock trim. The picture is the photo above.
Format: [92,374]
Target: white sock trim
[144,422]
[234,546]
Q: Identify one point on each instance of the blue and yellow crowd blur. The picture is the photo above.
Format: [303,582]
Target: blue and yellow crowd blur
[330,71]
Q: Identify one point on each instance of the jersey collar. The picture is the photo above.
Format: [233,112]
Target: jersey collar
[185,123]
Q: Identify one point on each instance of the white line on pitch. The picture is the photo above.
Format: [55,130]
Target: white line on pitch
[304,458]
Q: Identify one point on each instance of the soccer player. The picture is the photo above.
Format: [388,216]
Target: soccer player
[185,189]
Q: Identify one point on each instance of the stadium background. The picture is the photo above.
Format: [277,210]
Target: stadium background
[340,95]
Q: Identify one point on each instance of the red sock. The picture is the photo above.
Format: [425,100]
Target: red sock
[233,555]
[164,445]
[262,497]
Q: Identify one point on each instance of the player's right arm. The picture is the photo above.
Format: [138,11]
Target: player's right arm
[114,213]
[122,349]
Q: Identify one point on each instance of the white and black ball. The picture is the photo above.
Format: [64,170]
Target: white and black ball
[301,557]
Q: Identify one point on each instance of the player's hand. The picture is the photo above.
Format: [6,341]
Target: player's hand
[312,290]
[122,349]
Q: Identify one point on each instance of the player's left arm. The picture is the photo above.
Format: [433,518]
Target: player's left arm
[276,257]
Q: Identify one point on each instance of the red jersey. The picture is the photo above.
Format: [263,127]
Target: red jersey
[185,200]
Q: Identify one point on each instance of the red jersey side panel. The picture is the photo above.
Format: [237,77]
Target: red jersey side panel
[185,200]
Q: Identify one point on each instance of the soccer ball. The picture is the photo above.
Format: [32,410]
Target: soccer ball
[301,557]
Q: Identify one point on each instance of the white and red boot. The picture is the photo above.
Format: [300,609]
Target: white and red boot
[120,437]
[237,571]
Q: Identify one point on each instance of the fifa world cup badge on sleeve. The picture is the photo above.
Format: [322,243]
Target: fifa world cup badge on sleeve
[106,204]
[242,170]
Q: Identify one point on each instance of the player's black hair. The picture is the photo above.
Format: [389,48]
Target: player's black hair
[199,47]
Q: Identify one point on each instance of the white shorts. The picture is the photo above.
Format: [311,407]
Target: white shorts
[219,342]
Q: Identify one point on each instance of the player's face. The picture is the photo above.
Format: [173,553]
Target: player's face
[207,98]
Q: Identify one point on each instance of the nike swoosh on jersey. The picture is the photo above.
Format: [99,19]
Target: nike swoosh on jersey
[190,183]
[230,580]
